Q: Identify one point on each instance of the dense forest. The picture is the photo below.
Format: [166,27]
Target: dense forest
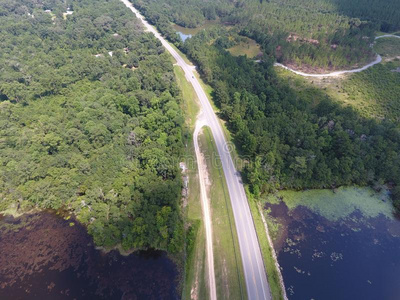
[294,140]
[90,121]
[314,35]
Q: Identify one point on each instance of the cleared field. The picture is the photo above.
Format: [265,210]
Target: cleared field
[388,47]
[374,93]
[193,31]
[246,47]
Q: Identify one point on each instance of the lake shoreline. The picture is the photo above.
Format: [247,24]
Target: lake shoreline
[44,249]
[325,241]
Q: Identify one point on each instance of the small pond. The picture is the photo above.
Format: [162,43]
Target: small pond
[183,36]
[342,245]
[44,256]
[186,33]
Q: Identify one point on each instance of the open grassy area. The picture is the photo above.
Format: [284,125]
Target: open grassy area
[374,93]
[193,31]
[229,274]
[247,47]
[388,47]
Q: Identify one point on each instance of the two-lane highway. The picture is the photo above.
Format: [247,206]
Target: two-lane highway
[253,265]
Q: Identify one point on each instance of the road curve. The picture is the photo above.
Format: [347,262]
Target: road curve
[337,73]
[253,265]
[205,204]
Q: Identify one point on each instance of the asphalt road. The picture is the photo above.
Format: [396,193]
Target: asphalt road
[253,265]
[337,73]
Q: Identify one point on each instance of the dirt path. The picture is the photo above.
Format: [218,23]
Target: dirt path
[338,73]
[253,265]
[203,177]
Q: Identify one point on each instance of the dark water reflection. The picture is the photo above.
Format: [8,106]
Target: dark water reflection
[355,258]
[43,257]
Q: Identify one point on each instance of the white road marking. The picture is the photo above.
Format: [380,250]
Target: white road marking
[253,265]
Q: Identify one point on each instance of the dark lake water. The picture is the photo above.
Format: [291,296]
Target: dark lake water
[352,258]
[43,257]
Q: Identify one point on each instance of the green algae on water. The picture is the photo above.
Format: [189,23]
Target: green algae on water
[338,204]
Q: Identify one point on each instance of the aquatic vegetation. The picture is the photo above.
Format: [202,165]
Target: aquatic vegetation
[318,254]
[337,244]
[274,226]
[339,204]
[336,256]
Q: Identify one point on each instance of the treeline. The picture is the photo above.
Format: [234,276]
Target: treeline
[90,121]
[186,13]
[295,140]
[386,13]
[314,35]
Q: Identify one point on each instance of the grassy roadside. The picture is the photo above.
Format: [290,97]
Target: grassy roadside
[229,273]
[239,163]
[194,208]
[181,54]
[190,101]
[265,247]
[195,283]
[269,262]
[228,266]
